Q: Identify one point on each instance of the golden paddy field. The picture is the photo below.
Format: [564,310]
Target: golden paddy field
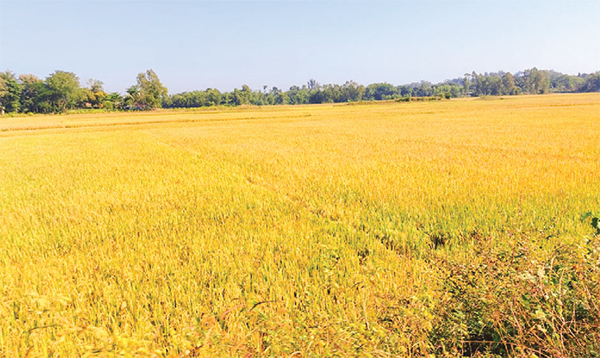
[449,228]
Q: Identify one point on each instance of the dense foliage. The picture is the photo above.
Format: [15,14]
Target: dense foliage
[62,91]
[531,81]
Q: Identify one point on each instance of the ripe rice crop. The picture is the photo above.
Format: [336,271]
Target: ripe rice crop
[398,229]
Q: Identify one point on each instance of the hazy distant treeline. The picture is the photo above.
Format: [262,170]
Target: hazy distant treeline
[62,91]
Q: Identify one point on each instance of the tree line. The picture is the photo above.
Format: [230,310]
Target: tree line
[62,91]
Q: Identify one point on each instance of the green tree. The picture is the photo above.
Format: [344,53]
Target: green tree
[240,97]
[379,91]
[152,93]
[278,96]
[476,80]
[214,97]
[297,95]
[351,92]
[508,83]
[467,83]
[592,83]
[566,83]
[31,89]
[133,98]
[64,90]
[35,95]
[313,84]
[10,92]
[422,89]
[536,81]
[93,95]
[113,101]
[493,85]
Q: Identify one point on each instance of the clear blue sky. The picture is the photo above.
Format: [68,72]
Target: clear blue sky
[225,44]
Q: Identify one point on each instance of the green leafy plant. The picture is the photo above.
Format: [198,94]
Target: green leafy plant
[595,222]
